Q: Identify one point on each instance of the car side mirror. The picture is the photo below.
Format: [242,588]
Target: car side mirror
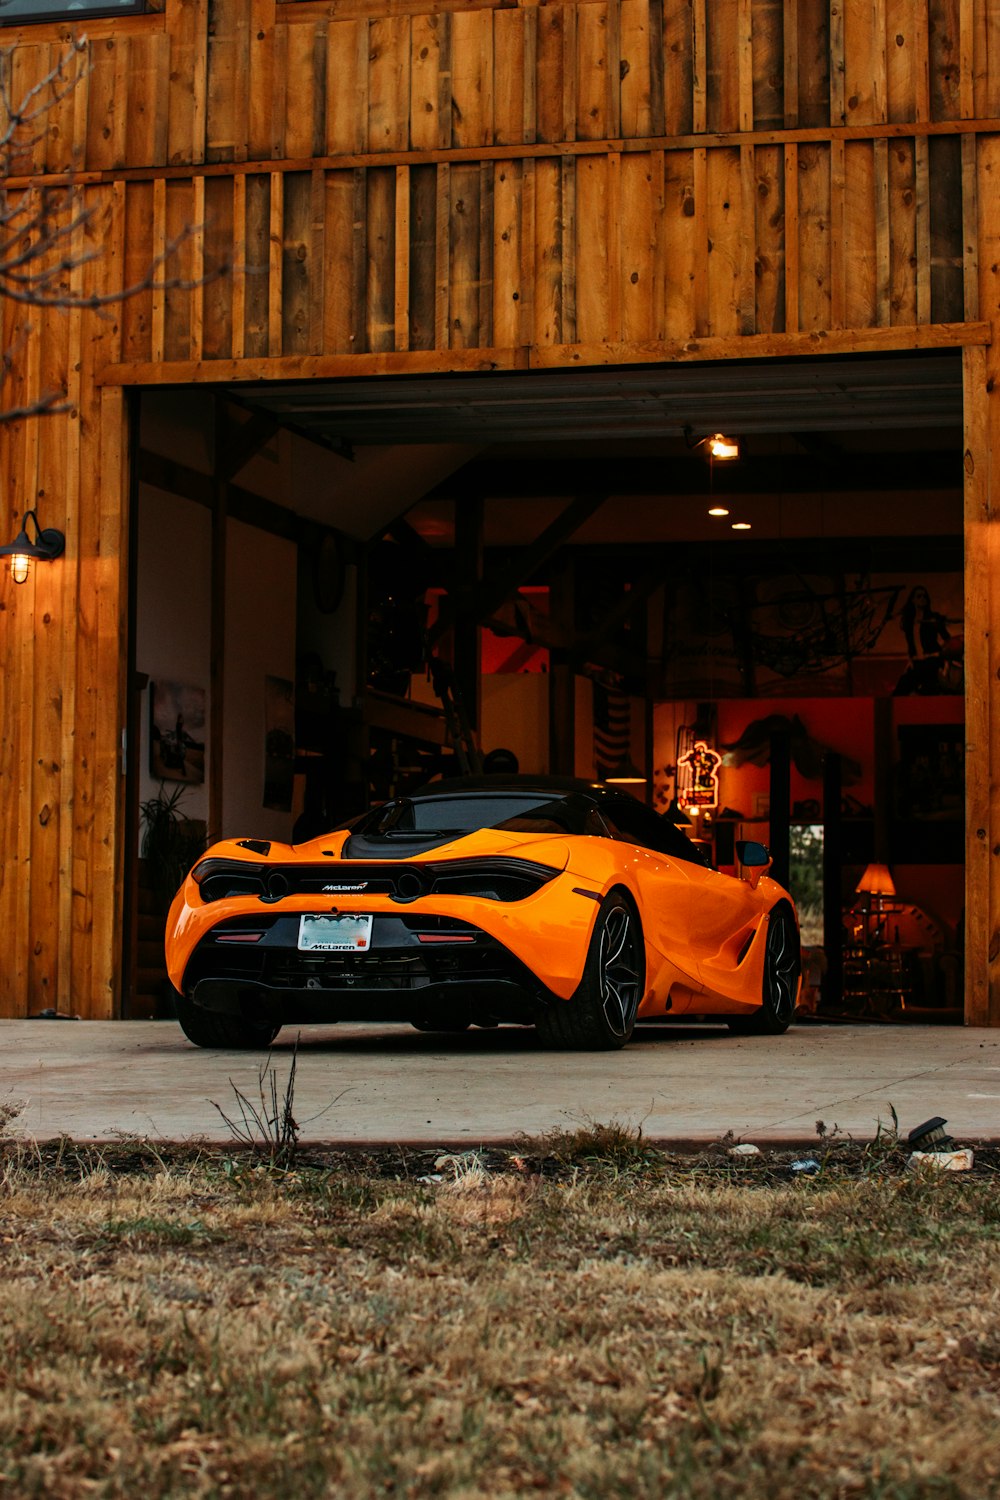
[754,859]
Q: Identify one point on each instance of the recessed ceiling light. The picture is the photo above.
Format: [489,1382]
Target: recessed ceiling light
[741,525]
[718,510]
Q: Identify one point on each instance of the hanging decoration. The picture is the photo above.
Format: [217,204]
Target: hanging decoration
[612,729]
[698,778]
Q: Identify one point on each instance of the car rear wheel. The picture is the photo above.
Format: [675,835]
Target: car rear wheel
[600,1016]
[782,967]
[207,1029]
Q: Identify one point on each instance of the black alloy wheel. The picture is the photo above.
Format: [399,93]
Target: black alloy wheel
[780,988]
[600,1016]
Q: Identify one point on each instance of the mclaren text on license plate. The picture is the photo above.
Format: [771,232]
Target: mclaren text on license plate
[337,934]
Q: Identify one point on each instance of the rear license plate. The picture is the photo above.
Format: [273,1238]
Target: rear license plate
[336,934]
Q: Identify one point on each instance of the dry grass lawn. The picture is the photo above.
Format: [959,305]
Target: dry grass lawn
[585,1319]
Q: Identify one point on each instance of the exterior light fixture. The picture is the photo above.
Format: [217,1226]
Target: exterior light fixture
[718,510]
[741,525]
[22,551]
[625,773]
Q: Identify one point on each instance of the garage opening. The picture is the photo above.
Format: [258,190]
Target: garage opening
[345,588]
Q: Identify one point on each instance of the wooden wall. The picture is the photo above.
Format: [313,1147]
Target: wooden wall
[429,185]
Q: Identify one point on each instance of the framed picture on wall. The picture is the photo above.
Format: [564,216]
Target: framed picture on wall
[177,732]
[930,779]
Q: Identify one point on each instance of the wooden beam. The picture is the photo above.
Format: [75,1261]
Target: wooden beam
[982,718]
[634,598]
[526,151]
[552,356]
[791,474]
[562,684]
[412,721]
[490,593]
[242,443]
[465,615]
[217,648]
[177,479]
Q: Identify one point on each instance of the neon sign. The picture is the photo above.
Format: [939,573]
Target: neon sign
[698,778]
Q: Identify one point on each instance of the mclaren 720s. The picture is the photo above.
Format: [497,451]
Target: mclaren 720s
[563,905]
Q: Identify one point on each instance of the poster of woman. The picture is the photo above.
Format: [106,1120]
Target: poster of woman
[934,652]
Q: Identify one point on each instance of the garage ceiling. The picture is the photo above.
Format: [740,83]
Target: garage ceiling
[922,390]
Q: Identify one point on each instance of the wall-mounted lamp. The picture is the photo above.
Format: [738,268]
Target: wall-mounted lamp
[716,445]
[22,552]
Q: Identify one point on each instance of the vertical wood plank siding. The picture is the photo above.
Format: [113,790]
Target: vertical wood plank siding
[433,180]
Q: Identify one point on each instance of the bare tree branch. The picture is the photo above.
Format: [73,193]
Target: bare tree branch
[42,223]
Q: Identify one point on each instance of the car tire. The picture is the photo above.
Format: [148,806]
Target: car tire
[206,1028]
[780,985]
[600,1016]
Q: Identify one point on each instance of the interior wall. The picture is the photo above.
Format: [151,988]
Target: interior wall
[331,636]
[260,643]
[515,715]
[845,725]
[173,620]
[173,634]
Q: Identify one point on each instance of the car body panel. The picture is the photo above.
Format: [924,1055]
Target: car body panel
[704,932]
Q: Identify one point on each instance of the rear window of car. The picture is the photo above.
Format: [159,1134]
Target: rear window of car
[633,823]
[452,814]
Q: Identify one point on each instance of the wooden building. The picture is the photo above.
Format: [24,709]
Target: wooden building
[366,190]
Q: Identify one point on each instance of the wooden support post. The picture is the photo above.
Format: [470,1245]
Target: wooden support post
[883,777]
[833,927]
[562,700]
[982,709]
[134,703]
[781,791]
[217,656]
[469,571]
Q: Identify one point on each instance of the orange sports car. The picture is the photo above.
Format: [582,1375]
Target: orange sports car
[563,905]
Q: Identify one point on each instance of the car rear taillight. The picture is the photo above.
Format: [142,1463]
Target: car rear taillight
[499,879]
[219,878]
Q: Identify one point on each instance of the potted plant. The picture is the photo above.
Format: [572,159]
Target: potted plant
[170,842]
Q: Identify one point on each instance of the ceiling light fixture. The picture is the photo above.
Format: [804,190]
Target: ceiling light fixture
[48,544]
[717,445]
[626,773]
[741,525]
[718,510]
[723,448]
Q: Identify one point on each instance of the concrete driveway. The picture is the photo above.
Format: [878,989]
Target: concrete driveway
[364,1085]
